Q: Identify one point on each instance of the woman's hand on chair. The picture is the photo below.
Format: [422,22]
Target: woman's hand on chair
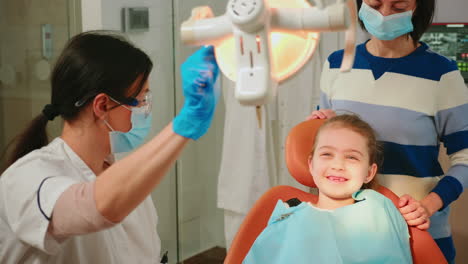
[414,212]
[321,114]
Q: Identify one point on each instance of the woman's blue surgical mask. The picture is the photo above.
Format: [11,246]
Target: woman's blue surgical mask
[385,27]
[127,141]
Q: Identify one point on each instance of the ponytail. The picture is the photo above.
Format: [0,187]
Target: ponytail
[33,137]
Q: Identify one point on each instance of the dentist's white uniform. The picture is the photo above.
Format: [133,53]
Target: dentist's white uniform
[28,192]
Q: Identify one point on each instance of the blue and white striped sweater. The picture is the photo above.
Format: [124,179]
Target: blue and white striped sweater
[413,103]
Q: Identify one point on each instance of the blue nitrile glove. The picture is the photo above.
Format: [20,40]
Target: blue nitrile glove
[199,73]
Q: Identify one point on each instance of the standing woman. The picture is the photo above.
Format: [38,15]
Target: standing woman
[414,98]
[66,201]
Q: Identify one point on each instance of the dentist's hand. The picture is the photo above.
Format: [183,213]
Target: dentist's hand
[199,73]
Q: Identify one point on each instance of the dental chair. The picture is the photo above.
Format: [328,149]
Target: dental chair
[298,146]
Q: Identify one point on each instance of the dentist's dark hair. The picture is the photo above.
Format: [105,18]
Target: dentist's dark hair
[91,63]
[422,18]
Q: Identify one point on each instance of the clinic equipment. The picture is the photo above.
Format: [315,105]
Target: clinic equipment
[450,40]
[260,43]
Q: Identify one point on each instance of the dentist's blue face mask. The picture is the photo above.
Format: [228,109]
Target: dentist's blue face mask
[141,125]
[385,27]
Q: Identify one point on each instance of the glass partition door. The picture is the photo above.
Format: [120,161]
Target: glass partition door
[32,36]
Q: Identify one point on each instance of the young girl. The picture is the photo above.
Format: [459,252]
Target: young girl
[350,223]
[416,99]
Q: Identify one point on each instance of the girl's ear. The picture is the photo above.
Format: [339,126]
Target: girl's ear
[371,173]
[309,161]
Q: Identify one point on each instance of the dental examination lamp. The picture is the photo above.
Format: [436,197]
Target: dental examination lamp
[259,43]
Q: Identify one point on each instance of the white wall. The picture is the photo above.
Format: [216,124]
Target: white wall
[451,11]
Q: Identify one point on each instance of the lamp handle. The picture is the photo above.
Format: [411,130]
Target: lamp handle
[202,28]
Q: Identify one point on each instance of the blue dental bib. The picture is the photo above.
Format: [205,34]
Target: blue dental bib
[371,230]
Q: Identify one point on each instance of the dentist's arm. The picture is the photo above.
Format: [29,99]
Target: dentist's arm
[89,207]
[123,186]
[92,206]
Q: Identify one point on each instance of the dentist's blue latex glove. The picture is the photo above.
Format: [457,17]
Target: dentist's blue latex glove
[199,73]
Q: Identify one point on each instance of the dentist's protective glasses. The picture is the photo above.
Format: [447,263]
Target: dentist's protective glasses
[145,104]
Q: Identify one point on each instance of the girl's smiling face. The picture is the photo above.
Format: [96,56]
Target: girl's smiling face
[340,163]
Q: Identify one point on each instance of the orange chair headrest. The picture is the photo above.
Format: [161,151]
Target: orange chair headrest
[298,147]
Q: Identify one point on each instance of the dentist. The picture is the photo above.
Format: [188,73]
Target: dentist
[67,201]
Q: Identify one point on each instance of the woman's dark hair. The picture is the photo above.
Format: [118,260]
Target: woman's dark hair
[356,124]
[91,63]
[422,18]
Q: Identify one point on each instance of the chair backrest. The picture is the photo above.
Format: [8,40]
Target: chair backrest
[298,147]
[299,144]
